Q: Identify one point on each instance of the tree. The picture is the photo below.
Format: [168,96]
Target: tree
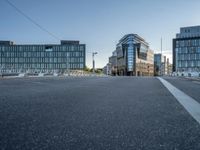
[87,69]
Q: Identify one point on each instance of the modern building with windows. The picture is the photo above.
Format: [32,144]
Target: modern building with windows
[69,55]
[186,50]
[162,65]
[107,69]
[158,61]
[134,58]
[113,63]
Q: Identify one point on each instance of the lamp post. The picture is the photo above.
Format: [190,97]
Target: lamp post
[93,61]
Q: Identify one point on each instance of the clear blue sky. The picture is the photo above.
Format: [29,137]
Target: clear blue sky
[98,23]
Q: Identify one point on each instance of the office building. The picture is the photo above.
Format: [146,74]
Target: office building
[107,69]
[134,58]
[69,55]
[158,61]
[113,63]
[169,67]
[162,65]
[186,50]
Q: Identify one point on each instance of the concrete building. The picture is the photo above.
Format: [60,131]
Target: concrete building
[113,63]
[186,50]
[169,67]
[134,58]
[69,55]
[107,69]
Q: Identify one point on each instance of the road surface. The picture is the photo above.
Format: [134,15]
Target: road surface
[109,113]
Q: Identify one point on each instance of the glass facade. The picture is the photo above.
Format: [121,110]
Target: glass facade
[42,58]
[157,64]
[130,57]
[187,52]
[131,50]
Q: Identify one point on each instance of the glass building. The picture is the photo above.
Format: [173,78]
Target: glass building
[186,50]
[134,58]
[158,61]
[162,65]
[69,55]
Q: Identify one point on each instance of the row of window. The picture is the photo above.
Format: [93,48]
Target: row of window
[43,48]
[41,54]
[188,50]
[189,63]
[41,60]
[191,42]
[188,57]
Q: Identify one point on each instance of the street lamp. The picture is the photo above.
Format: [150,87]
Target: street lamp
[93,61]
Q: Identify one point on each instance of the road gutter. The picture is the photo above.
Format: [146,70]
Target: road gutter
[190,104]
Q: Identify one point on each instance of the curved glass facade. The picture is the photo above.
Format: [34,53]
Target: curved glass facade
[132,56]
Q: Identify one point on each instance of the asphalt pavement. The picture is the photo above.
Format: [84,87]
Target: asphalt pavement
[95,113]
[190,86]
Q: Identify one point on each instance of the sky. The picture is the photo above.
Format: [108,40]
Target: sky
[98,23]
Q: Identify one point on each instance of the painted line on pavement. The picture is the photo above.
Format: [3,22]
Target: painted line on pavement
[190,104]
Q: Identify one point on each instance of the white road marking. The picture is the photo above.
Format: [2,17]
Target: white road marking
[190,104]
